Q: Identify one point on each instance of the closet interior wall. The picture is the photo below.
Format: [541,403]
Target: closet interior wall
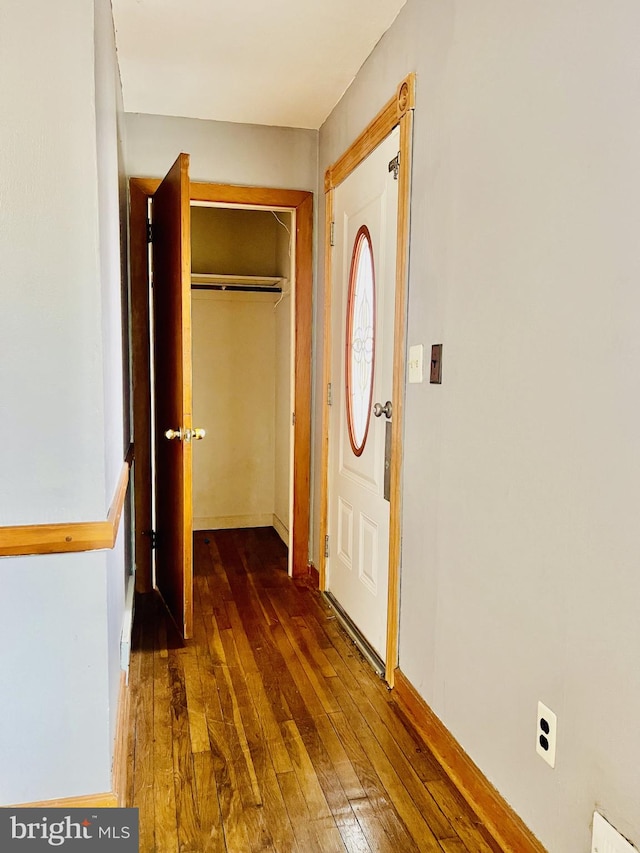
[242,371]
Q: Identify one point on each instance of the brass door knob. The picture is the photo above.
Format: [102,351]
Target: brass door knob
[173,433]
[198,434]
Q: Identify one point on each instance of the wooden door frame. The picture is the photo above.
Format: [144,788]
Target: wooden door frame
[298,202]
[397,111]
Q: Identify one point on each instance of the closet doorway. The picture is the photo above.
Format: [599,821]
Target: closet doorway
[201,207]
[243,330]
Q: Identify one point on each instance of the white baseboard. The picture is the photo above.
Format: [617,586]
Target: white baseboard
[281,529]
[127,625]
[227,522]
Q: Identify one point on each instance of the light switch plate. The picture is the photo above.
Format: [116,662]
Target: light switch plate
[416,360]
[435,375]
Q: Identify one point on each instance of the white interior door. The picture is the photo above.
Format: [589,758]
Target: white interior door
[362,323]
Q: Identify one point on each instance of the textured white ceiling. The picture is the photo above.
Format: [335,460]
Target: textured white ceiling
[278,62]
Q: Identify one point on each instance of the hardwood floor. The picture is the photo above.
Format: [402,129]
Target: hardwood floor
[268,731]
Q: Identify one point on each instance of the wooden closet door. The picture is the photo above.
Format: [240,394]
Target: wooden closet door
[173,392]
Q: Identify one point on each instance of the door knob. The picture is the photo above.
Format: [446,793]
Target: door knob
[198,434]
[173,433]
[385,410]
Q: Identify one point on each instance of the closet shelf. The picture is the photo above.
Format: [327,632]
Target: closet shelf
[265,281]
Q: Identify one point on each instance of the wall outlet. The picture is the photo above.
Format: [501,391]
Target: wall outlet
[608,840]
[546,731]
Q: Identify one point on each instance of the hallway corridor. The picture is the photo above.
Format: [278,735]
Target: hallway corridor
[268,731]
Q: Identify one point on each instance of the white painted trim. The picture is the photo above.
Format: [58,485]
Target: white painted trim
[281,529]
[227,522]
[127,625]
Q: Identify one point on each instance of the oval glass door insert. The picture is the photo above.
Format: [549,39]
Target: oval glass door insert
[360,340]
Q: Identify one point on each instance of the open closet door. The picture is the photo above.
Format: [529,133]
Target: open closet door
[173,392]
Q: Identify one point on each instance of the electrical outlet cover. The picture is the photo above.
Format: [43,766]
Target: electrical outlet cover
[606,839]
[546,733]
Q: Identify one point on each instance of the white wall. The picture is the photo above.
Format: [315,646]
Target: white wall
[50,332]
[223,152]
[112,212]
[233,242]
[241,363]
[54,706]
[284,333]
[107,83]
[283,411]
[234,399]
[60,404]
[521,485]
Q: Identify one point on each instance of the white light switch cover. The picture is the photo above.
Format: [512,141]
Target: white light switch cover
[416,359]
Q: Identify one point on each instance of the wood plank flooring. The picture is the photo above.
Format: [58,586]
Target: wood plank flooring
[268,731]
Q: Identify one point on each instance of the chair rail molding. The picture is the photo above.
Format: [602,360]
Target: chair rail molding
[67,537]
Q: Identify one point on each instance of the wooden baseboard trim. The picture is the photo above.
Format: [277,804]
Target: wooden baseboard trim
[120,751]
[29,539]
[90,801]
[504,825]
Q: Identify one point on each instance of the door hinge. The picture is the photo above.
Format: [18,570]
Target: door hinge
[332,234]
[329,395]
[149,231]
[153,536]
[293,418]
[394,166]
[326,545]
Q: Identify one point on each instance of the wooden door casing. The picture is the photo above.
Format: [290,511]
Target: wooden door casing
[299,202]
[397,111]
